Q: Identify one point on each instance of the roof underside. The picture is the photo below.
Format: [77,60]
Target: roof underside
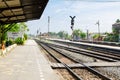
[12,11]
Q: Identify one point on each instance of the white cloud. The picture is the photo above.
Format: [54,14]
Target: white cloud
[87,13]
[80,6]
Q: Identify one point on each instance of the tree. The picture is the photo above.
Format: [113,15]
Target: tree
[14,27]
[96,36]
[3,30]
[114,36]
[23,27]
[117,21]
[52,34]
[115,31]
[77,33]
[82,35]
[63,34]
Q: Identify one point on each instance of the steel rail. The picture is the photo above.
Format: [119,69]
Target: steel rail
[106,58]
[95,72]
[115,58]
[99,49]
[67,67]
[115,51]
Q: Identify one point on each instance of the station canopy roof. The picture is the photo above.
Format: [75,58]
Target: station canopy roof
[13,11]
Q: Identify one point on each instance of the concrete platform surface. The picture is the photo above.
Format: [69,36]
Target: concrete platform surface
[26,63]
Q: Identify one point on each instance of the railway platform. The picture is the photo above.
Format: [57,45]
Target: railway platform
[88,44]
[26,63]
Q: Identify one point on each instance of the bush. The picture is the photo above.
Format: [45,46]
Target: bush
[96,36]
[25,36]
[9,42]
[19,41]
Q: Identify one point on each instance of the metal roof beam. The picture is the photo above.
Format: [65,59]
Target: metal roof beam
[20,15]
[18,7]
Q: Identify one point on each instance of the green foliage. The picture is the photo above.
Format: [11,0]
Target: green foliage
[19,41]
[112,37]
[96,36]
[4,36]
[118,20]
[52,34]
[15,28]
[82,35]
[3,30]
[9,42]
[19,27]
[25,36]
[63,34]
[79,34]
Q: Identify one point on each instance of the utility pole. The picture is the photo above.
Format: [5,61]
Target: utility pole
[40,33]
[72,25]
[48,24]
[98,23]
[119,36]
[37,33]
[87,34]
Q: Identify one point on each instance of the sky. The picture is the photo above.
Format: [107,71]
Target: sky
[87,13]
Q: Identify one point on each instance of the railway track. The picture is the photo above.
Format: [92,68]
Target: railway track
[98,55]
[71,71]
[66,66]
[98,49]
[91,47]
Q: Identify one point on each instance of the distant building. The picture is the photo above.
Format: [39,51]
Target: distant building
[116,26]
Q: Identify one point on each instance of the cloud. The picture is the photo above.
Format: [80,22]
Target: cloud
[87,14]
[83,6]
[60,10]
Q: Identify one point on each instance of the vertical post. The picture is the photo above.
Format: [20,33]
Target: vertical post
[37,33]
[119,36]
[87,34]
[98,23]
[72,25]
[48,24]
[0,36]
[99,28]
[40,36]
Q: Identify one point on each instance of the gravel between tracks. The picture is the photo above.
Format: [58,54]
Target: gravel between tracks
[112,72]
[81,57]
[86,75]
[65,74]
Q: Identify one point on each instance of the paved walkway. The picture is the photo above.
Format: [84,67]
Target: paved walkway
[26,63]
